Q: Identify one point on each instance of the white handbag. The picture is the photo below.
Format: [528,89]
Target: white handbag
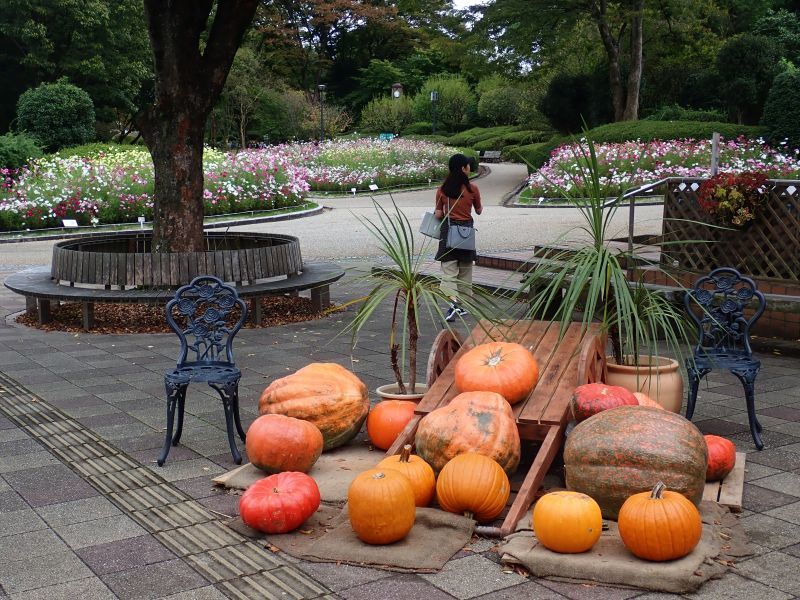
[431,226]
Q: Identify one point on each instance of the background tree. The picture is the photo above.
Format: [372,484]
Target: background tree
[189,77]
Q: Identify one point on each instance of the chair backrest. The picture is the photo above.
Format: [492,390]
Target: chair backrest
[717,305]
[206,321]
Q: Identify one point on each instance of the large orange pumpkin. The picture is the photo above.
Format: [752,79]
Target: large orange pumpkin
[387,419]
[326,394]
[277,443]
[627,450]
[279,503]
[479,422]
[567,522]
[417,471]
[721,457]
[659,525]
[380,505]
[591,398]
[473,485]
[505,368]
[645,400]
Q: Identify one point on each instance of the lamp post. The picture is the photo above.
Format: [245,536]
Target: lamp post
[434,100]
[321,88]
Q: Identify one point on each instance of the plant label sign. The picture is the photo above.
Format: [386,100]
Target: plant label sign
[373,187]
[69,222]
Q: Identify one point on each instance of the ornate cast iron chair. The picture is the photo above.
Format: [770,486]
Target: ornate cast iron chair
[716,304]
[206,326]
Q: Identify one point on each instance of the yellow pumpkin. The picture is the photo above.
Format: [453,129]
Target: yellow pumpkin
[567,522]
[417,471]
[380,505]
[473,485]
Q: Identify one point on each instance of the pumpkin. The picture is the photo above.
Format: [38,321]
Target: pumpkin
[659,525]
[279,503]
[479,422]
[505,368]
[645,400]
[325,394]
[621,452]
[417,471]
[721,457]
[380,505]
[387,419]
[277,443]
[473,485]
[591,398]
[567,522]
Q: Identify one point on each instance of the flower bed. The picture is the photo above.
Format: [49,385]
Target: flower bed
[629,164]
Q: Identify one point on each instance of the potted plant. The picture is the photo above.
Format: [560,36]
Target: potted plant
[733,200]
[414,295]
[590,283]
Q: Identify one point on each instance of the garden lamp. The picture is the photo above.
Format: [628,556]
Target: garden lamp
[434,100]
[321,88]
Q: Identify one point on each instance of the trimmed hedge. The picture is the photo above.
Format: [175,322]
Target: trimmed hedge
[782,111]
[16,150]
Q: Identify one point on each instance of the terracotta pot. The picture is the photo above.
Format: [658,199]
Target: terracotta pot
[392,392]
[657,376]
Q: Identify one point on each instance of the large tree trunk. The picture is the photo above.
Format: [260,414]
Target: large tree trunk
[188,84]
[635,74]
[611,45]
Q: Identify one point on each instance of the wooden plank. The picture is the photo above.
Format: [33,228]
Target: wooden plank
[174,269]
[732,487]
[150,272]
[566,359]
[711,491]
[259,268]
[219,265]
[183,273]
[540,342]
[91,259]
[236,270]
[122,270]
[250,261]
[109,268]
[406,436]
[138,269]
[266,259]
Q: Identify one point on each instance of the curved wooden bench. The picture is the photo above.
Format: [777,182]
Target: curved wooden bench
[40,290]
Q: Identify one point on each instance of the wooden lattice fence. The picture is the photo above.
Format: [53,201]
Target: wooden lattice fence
[769,248]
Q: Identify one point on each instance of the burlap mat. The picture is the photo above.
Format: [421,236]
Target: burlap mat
[327,537]
[611,563]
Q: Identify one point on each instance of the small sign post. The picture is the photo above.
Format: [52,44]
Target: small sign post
[141,222]
[714,153]
[373,187]
[69,223]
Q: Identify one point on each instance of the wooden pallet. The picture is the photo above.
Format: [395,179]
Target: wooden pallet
[728,492]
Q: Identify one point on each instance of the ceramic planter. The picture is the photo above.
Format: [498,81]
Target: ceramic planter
[657,376]
[392,392]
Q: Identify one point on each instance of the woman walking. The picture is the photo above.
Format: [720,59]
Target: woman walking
[455,201]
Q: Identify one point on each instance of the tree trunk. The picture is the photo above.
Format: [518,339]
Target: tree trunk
[611,45]
[631,112]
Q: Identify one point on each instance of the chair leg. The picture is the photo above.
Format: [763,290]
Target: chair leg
[236,419]
[174,392]
[227,392]
[748,379]
[181,403]
[695,375]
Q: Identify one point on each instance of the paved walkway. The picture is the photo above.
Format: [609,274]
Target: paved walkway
[85,513]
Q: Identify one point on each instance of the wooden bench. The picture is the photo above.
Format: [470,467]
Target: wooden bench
[542,417]
[40,290]
[490,155]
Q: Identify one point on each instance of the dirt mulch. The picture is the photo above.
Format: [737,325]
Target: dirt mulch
[144,318]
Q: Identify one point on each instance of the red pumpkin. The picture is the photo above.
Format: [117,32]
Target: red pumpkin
[645,400]
[721,457]
[280,503]
[277,443]
[504,368]
[387,419]
[592,398]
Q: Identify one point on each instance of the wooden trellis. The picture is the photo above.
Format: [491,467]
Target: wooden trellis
[769,248]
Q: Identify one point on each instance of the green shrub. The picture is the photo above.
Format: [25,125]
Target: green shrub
[387,114]
[455,103]
[418,128]
[782,110]
[498,106]
[679,113]
[94,149]
[56,115]
[16,149]
[572,100]
[472,136]
[535,155]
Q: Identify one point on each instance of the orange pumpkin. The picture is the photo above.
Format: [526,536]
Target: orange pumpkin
[645,400]
[473,485]
[591,398]
[417,471]
[721,457]
[387,419]
[279,503]
[567,522]
[480,422]
[276,443]
[380,505]
[326,394]
[505,368]
[659,525]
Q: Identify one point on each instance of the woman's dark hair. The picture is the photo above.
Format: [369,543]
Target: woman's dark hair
[456,178]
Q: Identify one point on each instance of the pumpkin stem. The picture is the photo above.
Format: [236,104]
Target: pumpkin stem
[274,490]
[658,491]
[405,453]
[494,358]
[469,514]
[378,476]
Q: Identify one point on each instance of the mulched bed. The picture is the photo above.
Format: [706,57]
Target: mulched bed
[144,318]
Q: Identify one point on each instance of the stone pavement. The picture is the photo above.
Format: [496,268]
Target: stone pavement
[86,513]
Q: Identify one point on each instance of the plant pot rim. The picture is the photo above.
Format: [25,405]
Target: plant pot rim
[390,391]
[659,363]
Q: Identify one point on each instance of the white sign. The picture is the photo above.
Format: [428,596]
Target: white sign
[69,222]
[373,187]
[353,190]
[141,219]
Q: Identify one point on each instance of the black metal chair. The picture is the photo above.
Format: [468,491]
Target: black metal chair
[717,305]
[206,325]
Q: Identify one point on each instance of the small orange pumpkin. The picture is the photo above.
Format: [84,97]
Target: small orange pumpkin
[659,525]
[276,443]
[645,400]
[591,398]
[380,505]
[417,471]
[505,368]
[567,522]
[721,457]
[473,485]
[387,419]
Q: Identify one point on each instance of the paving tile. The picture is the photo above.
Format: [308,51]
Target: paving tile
[226,504]
[30,544]
[786,483]
[777,458]
[20,521]
[154,581]
[62,485]
[339,577]
[208,592]
[35,572]
[11,501]
[396,587]
[99,531]
[31,460]
[472,576]
[199,487]
[789,512]
[754,471]
[77,511]
[734,586]
[91,588]
[776,569]
[123,555]
[782,412]
[770,532]
[15,448]
[126,430]
[719,427]
[186,469]
[589,591]
[530,589]
[13,433]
